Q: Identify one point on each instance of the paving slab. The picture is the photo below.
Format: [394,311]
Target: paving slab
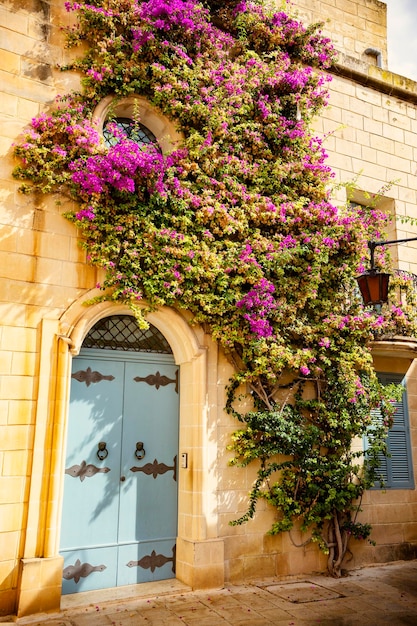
[370,596]
[302,592]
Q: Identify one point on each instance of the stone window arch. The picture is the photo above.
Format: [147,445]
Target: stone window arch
[146,116]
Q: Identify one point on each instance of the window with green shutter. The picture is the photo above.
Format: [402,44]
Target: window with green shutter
[396,469]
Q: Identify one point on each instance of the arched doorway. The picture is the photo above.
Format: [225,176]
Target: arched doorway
[119,517]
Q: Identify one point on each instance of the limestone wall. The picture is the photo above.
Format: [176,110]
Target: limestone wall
[372,136]
[42,269]
[353,25]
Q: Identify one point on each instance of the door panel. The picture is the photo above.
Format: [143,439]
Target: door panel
[119,520]
[87,569]
[154,421]
[146,562]
[91,486]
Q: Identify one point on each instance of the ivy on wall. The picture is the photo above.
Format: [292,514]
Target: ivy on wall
[236,226]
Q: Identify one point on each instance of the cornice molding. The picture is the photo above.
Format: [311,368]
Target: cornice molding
[376,78]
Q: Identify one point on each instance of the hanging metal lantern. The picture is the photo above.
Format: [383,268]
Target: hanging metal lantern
[373,286]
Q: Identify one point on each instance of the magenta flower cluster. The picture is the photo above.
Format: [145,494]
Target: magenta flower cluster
[123,164]
[258,305]
[167,14]
[182,22]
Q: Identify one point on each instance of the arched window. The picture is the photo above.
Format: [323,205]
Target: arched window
[115,128]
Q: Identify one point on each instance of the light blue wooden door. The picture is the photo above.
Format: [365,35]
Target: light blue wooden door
[119,520]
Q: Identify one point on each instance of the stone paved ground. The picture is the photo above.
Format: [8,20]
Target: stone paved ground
[371,596]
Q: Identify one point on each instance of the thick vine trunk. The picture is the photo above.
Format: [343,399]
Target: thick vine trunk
[338,544]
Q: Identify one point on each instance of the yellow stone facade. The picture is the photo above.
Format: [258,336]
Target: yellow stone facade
[371,128]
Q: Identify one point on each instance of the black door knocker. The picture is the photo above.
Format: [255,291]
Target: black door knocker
[102,451]
[140,450]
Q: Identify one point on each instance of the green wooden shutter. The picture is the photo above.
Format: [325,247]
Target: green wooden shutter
[396,470]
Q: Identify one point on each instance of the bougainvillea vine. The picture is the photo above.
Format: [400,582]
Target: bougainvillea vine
[236,225]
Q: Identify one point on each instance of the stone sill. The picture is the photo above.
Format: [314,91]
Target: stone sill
[398,347]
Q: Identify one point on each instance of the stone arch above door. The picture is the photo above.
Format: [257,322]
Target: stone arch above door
[186,342]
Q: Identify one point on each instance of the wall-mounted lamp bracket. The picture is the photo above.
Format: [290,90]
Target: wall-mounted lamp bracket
[373,284]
